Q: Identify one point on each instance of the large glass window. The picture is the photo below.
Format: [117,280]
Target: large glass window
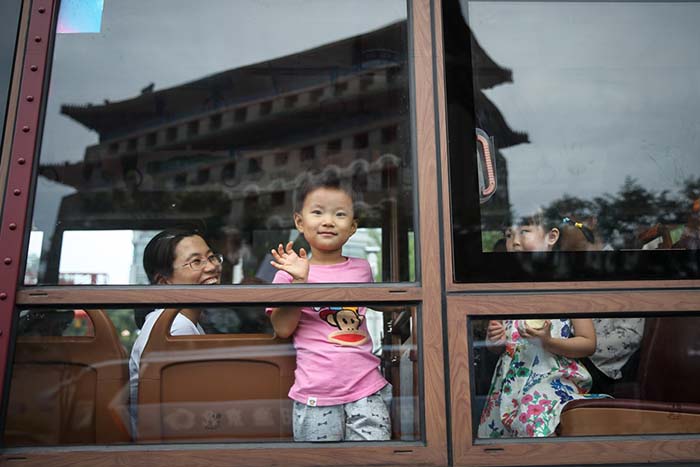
[203,374]
[573,131]
[536,377]
[156,120]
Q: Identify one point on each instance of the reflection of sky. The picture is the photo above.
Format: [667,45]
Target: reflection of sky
[98,251]
[170,42]
[604,91]
[77,16]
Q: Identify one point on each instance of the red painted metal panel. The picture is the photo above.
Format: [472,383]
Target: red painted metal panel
[22,159]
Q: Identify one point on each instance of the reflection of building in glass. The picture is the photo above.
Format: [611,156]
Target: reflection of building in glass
[229,149]
[473,72]
[488,74]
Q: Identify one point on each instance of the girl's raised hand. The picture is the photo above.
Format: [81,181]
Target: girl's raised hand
[286,259]
[496,333]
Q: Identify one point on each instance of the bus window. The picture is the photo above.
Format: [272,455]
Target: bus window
[575,133]
[637,379]
[171,375]
[221,141]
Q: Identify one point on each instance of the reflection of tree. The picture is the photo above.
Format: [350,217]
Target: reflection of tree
[620,217]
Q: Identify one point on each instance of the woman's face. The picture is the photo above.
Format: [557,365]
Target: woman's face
[195,249]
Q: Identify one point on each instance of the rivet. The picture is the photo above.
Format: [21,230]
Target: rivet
[3,296]
[42,10]
[33,67]
[21,161]
[8,261]
[17,192]
[30,98]
[37,39]
[13,226]
[25,129]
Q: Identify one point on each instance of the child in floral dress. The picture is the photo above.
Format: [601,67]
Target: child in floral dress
[537,373]
[536,376]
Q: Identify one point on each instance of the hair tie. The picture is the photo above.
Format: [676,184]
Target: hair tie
[588,233]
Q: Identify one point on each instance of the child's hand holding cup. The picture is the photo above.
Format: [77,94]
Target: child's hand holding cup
[535,328]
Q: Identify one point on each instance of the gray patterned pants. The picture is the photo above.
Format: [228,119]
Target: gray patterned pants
[364,420]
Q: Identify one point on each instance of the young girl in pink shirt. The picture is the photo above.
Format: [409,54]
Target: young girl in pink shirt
[339,393]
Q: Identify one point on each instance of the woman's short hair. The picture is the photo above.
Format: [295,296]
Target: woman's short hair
[159,254]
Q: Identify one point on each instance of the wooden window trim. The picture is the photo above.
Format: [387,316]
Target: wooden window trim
[652,448]
[431,451]
[251,294]
[473,300]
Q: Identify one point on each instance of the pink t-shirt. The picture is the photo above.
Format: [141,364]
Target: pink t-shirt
[335,364]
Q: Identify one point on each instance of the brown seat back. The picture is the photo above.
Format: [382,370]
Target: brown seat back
[669,369]
[668,380]
[69,389]
[214,387]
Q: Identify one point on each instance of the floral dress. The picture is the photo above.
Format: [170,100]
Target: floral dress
[531,386]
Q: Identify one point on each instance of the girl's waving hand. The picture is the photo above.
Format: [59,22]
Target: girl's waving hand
[287,260]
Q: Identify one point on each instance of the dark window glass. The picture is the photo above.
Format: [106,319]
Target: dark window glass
[203,176]
[366,82]
[171,134]
[334,146]
[638,378]
[239,115]
[180,180]
[316,95]
[308,153]
[281,158]
[389,134]
[215,122]
[193,128]
[278,198]
[580,159]
[340,88]
[254,166]
[228,174]
[232,184]
[266,108]
[290,101]
[360,141]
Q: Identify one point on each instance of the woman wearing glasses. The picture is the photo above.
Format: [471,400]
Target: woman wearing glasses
[173,257]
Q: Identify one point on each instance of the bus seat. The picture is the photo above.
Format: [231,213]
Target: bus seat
[214,387]
[668,380]
[69,389]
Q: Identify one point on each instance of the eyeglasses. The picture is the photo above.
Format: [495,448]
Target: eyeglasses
[198,264]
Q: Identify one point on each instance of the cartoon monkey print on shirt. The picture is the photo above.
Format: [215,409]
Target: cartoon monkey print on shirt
[348,321]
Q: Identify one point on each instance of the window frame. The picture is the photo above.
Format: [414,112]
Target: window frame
[563,451]
[452,284]
[478,300]
[39,19]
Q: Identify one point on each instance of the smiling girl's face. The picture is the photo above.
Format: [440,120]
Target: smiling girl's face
[530,237]
[327,221]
